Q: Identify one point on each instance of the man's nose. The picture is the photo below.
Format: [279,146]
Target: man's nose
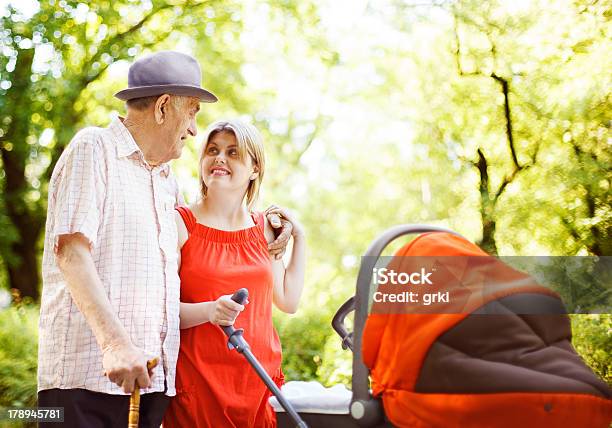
[192,129]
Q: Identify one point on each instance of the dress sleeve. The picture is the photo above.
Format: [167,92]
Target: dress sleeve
[188,218]
[261,221]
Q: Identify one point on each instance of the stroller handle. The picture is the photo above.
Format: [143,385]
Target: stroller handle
[240,296]
[236,341]
[338,323]
[360,383]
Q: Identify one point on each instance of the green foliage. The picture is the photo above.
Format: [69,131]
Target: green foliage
[372,116]
[592,338]
[337,364]
[583,283]
[18,356]
[54,80]
[304,357]
[9,236]
[302,350]
[301,338]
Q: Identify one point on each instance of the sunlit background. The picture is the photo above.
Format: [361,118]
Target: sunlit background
[491,118]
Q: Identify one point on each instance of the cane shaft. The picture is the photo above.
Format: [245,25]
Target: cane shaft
[134,408]
[134,413]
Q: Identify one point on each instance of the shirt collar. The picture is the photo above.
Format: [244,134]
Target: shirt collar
[164,169]
[127,147]
[125,142]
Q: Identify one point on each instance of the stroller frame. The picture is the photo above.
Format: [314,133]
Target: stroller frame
[364,408]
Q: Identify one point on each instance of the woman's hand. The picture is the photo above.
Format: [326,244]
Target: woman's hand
[225,310]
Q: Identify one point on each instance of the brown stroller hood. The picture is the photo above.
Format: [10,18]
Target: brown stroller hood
[477,361]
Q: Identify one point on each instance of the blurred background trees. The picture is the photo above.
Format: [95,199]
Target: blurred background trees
[491,118]
[54,56]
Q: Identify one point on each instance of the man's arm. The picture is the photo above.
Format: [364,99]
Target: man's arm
[123,362]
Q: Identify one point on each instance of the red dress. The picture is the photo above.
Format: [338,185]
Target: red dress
[217,387]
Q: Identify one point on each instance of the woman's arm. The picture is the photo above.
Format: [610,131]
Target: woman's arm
[192,314]
[289,281]
[222,311]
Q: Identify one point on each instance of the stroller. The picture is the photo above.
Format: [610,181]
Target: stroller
[504,360]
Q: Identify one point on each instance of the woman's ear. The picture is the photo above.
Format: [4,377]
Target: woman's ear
[255,173]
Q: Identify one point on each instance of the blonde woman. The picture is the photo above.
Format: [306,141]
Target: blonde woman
[223,247]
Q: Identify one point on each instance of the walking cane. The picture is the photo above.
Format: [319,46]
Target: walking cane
[135,399]
[236,341]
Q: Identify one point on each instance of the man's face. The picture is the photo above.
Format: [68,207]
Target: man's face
[179,124]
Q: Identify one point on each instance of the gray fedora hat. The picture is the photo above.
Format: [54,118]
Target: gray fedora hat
[165,72]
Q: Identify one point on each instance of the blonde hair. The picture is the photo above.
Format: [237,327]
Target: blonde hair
[249,142]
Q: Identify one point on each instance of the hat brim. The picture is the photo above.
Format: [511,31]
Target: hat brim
[184,90]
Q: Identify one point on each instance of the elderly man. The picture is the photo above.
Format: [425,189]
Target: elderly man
[110,293]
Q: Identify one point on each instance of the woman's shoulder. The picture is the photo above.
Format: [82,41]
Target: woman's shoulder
[185,218]
[187,210]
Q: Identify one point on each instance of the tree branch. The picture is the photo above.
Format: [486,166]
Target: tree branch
[507,111]
[483,168]
[460,70]
[86,78]
[105,46]
[510,138]
[571,229]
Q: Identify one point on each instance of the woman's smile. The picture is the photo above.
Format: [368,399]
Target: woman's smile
[218,171]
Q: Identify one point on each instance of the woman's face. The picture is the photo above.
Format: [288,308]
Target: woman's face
[222,167]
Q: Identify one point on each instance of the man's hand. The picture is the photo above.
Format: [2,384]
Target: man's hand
[283,229]
[126,366]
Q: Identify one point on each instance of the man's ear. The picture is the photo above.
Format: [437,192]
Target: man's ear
[161,108]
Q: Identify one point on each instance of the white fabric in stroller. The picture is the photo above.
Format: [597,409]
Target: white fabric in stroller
[312,397]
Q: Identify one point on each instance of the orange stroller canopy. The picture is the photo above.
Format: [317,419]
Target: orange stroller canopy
[474,361]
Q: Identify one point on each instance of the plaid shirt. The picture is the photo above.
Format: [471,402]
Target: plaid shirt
[103,188]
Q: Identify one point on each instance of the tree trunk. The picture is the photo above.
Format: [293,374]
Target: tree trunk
[487,205]
[488,236]
[23,274]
